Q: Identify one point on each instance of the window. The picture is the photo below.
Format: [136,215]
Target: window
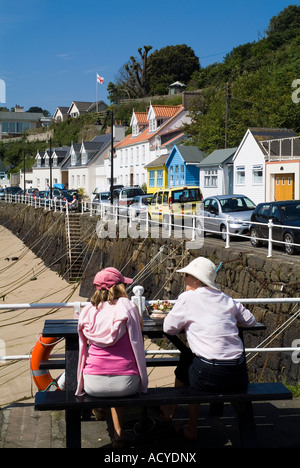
[211,178]
[257,175]
[84,158]
[73,159]
[131,156]
[15,127]
[135,130]
[240,175]
[159,176]
[152,125]
[151,178]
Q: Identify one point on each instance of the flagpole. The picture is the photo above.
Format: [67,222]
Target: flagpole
[96,93]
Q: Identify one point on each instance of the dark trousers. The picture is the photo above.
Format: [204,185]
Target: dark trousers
[203,374]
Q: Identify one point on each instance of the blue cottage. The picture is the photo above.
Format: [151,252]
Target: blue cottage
[183,165]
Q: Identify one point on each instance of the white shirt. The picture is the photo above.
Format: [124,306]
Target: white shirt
[210,320]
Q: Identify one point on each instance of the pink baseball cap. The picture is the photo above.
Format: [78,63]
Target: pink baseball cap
[107,277]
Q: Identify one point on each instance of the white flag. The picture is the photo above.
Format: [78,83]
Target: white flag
[100,79]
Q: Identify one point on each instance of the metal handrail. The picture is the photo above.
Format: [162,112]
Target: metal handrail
[142,303]
[112,211]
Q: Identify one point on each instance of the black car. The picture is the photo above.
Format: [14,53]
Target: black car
[14,190]
[285,216]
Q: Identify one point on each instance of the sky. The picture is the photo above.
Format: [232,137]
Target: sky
[52,50]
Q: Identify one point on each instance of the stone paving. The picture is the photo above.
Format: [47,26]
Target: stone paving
[277,427]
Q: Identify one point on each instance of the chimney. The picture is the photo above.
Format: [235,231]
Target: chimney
[19,108]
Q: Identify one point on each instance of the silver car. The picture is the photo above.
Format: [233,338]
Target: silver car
[214,211]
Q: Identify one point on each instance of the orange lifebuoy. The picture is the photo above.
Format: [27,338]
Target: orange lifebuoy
[41,352]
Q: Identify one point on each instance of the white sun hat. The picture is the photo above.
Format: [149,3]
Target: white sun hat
[202,269]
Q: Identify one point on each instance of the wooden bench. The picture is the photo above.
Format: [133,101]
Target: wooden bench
[242,402]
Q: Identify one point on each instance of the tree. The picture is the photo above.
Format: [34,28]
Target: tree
[169,64]
[153,74]
[131,82]
[39,110]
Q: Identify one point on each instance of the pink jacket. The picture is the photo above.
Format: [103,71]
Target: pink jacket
[104,327]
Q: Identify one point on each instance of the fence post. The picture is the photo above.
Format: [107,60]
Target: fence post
[138,298]
[270,243]
[227,233]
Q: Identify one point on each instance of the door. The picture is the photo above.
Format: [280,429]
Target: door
[284,187]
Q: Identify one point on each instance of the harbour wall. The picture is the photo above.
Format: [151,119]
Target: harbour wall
[153,264]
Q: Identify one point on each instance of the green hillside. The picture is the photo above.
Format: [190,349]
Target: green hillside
[260,75]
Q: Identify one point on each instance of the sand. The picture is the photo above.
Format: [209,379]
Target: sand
[25,279]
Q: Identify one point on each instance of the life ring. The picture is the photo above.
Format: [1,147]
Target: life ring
[41,352]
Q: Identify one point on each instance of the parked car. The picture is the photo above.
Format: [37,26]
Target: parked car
[126,194]
[103,190]
[176,201]
[138,206]
[100,197]
[14,190]
[285,216]
[31,192]
[67,195]
[104,197]
[215,210]
[2,194]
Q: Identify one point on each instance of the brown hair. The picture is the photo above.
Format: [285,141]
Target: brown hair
[109,295]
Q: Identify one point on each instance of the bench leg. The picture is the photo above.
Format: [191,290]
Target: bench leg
[246,424]
[73,428]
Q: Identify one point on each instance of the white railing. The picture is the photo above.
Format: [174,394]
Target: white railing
[142,305]
[191,225]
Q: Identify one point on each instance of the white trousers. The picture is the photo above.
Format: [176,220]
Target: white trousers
[111,385]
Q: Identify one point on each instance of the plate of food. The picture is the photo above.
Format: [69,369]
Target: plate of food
[158,317]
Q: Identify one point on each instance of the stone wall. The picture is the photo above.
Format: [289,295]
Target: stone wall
[153,264]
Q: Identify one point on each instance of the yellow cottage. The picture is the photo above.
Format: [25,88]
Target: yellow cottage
[157,174]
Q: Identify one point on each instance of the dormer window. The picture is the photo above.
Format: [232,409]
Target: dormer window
[135,130]
[84,158]
[152,125]
[74,159]
[39,161]
[47,160]
[55,159]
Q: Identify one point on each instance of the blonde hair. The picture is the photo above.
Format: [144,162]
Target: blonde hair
[109,295]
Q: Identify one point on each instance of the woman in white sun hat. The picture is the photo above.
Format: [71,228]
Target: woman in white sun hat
[210,319]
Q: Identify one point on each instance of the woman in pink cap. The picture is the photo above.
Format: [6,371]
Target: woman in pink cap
[114,364]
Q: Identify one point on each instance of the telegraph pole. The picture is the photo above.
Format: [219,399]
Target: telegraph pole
[228,96]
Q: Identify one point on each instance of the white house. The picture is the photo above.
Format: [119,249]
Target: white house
[60,114]
[42,171]
[216,173]
[83,162]
[151,132]
[250,162]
